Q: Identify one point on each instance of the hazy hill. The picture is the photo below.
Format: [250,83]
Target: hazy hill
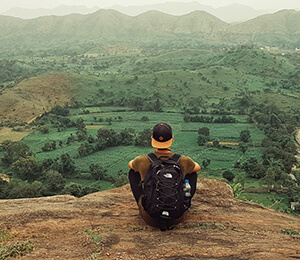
[230,13]
[282,22]
[106,225]
[195,22]
[280,29]
[26,13]
[173,8]
[236,13]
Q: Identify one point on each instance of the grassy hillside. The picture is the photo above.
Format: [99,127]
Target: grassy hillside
[282,22]
[33,97]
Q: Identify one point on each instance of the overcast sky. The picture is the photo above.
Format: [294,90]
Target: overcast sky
[256,4]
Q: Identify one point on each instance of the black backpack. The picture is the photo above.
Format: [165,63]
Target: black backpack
[163,196]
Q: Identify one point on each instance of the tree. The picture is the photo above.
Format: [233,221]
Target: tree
[67,165]
[205,163]
[14,151]
[203,131]
[74,189]
[243,148]
[59,110]
[85,149]
[79,123]
[49,146]
[54,181]
[3,188]
[81,135]
[44,130]
[70,139]
[157,106]
[121,179]
[228,175]
[23,189]
[144,138]
[50,164]
[202,139]
[270,177]
[216,144]
[108,136]
[97,172]
[275,153]
[127,136]
[245,136]
[253,168]
[144,118]
[26,168]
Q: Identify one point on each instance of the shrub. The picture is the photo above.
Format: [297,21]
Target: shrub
[97,172]
[228,175]
[145,118]
[15,250]
[144,138]
[74,189]
[203,131]
[54,181]
[58,110]
[202,139]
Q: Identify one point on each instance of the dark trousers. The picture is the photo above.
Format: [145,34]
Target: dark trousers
[137,190]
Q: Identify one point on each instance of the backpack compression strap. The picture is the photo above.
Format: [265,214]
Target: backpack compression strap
[152,157]
[176,157]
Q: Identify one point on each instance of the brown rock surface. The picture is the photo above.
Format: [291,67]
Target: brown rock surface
[216,227]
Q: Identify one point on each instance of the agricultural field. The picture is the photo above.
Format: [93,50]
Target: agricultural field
[132,92]
[115,159]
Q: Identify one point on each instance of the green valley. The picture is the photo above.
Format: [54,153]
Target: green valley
[86,90]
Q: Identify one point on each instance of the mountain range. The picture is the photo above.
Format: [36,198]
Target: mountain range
[279,29]
[230,13]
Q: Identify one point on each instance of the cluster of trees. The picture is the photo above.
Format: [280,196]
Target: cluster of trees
[209,119]
[30,178]
[110,138]
[203,138]
[279,150]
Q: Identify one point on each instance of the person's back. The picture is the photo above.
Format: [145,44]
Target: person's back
[141,172]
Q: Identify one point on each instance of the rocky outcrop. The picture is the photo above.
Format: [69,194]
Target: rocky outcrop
[106,225]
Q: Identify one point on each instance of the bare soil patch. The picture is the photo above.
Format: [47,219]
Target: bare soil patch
[94,126]
[7,133]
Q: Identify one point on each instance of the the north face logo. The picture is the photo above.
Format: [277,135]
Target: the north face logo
[168,175]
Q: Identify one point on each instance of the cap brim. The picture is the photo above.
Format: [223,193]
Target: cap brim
[157,144]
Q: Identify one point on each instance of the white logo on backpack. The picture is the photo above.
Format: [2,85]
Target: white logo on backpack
[168,175]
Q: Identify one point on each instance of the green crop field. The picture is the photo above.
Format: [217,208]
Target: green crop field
[132,84]
[185,142]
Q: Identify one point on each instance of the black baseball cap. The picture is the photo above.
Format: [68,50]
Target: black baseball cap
[162,136]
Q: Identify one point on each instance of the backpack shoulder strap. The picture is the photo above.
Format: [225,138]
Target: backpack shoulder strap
[176,157]
[152,157]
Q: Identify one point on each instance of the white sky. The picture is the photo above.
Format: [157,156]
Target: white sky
[256,4]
